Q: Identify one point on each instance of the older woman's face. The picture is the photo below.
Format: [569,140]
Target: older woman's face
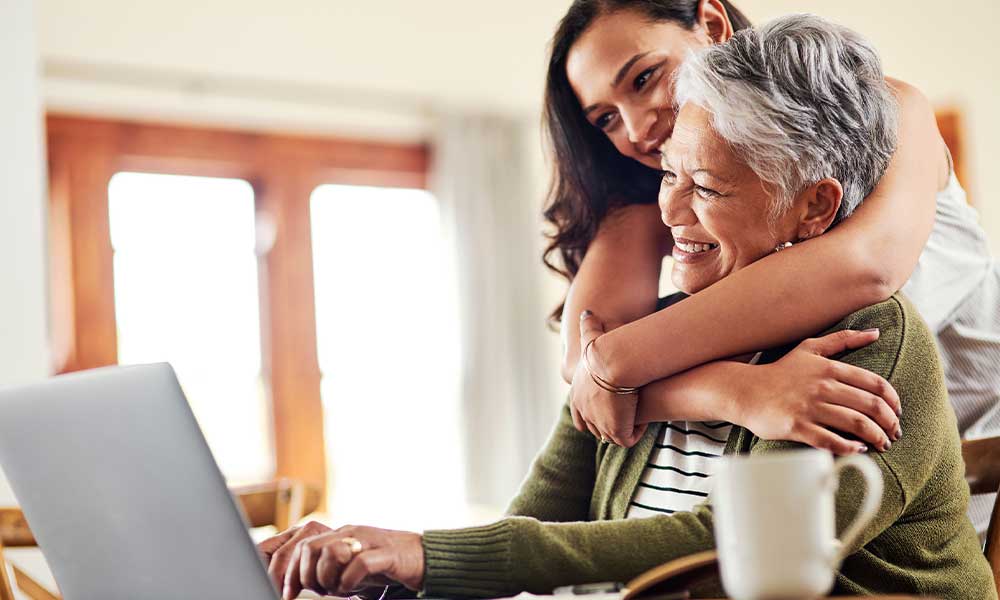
[621,70]
[715,205]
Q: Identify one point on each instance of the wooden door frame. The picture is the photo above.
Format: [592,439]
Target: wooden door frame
[84,153]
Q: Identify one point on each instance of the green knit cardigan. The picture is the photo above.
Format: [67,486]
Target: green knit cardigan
[568,525]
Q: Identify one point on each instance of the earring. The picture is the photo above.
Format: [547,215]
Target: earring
[781,247]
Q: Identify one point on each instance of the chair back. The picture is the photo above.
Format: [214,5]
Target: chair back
[982,472]
[280,503]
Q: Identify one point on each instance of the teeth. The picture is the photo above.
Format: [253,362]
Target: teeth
[694,248]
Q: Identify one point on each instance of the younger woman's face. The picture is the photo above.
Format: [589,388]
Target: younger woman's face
[621,70]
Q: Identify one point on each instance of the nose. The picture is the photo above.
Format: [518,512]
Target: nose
[675,206]
[640,123]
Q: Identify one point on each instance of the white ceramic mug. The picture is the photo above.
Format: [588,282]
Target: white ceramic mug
[775,522]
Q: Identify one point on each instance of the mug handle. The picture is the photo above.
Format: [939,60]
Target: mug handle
[869,505]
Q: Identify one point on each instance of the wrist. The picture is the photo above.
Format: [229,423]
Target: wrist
[727,396]
[606,354]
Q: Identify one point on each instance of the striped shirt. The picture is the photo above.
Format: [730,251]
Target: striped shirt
[678,474]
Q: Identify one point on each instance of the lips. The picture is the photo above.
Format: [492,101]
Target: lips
[687,251]
[694,247]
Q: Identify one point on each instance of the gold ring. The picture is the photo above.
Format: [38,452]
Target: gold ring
[354,544]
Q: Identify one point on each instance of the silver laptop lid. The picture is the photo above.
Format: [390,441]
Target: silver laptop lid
[121,490]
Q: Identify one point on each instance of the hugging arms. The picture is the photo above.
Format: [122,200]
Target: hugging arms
[674,355]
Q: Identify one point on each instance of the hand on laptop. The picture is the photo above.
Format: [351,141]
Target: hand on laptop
[327,561]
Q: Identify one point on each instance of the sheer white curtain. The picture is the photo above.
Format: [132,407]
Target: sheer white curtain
[484,179]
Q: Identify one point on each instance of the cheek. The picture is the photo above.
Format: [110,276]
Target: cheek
[737,237]
[749,243]
[620,140]
[628,149]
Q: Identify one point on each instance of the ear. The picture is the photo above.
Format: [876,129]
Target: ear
[820,203]
[714,21]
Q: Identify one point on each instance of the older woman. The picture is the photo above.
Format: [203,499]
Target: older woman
[782,133]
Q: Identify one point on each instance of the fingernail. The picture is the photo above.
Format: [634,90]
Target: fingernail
[872,330]
[886,446]
[585,314]
[899,434]
[862,449]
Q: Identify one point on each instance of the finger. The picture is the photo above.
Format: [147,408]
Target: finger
[853,423]
[577,419]
[637,432]
[365,565]
[840,341]
[824,439]
[333,559]
[292,587]
[279,562]
[620,437]
[872,383]
[308,557]
[590,327]
[282,556]
[593,431]
[328,568]
[873,406]
[268,547]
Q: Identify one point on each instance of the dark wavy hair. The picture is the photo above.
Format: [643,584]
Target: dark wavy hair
[590,177]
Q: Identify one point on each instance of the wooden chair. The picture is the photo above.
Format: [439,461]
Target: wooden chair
[982,471]
[279,503]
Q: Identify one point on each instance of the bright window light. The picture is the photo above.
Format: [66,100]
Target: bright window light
[186,293]
[387,321]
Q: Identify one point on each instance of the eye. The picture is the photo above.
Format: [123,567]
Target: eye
[669,178]
[706,193]
[643,78]
[604,121]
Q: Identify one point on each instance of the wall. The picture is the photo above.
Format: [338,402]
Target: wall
[374,68]
[23,305]
[23,334]
[382,68]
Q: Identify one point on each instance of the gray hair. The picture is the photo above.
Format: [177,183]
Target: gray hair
[799,99]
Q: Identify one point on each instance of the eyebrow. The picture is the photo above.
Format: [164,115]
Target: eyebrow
[711,174]
[666,166]
[622,72]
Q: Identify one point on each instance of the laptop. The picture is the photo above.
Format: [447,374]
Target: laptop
[121,490]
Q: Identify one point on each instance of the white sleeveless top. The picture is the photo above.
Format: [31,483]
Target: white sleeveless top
[956,287]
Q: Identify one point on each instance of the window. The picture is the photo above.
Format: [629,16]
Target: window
[154,256]
[185,279]
[388,342]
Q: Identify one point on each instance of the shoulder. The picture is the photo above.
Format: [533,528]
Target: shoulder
[910,98]
[904,340]
[918,123]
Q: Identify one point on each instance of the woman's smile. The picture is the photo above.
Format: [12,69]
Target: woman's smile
[689,251]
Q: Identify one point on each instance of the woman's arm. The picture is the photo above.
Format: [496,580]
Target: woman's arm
[619,276]
[793,294]
[803,398]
